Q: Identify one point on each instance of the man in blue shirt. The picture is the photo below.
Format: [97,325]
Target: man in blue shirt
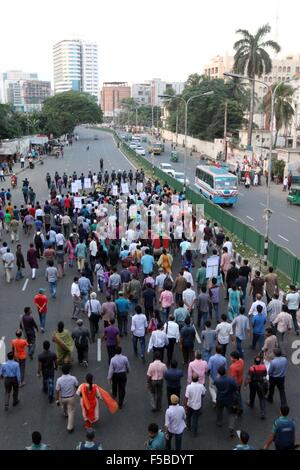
[283,432]
[157,440]
[147,262]
[173,376]
[215,361]
[226,398]
[258,324]
[10,371]
[277,371]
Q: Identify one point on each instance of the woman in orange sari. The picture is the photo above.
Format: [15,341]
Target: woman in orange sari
[90,395]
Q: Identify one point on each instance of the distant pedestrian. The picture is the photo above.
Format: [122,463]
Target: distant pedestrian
[112,338]
[155,375]
[32,260]
[29,326]
[19,346]
[139,326]
[51,276]
[81,337]
[41,302]
[173,377]
[277,372]
[194,394]
[226,398]
[187,339]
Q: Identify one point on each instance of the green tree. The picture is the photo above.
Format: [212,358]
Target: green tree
[283,107]
[252,59]
[63,112]
[9,125]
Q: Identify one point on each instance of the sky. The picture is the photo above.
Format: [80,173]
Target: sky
[139,39]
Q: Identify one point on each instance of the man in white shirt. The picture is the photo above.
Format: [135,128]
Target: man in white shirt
[93,252]
[224,330]
[228,245]
[158,341]
[59,239]
[284,322]
[171,328]
[253,308]
[175,423]
[189,298]
[293,303]
[194,393]
[75,293]
[39,213]
[184,246]
[8,259]
[159,281]
[188,276]
[139,326]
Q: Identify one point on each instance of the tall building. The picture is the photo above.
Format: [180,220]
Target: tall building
[160,87]
[112,94]
[75,66]
[218,65]
[141,92]
[24,91]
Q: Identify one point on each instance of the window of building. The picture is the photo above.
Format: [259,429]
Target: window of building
[279,69]
[284,69]
[297,69]
[270,79]
[288,69]
[217,69]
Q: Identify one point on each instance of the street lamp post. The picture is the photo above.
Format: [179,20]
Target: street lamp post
[268,211]
[186,104]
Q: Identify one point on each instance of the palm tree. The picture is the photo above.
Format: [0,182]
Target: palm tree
[251,59]
[283,106]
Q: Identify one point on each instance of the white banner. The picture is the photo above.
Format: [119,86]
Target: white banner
[79,185]
[2,350]
[125,189]
[139,187]
[87,183]
[115,190]
[99,349]
[212,266]
[74,188]
[77,203]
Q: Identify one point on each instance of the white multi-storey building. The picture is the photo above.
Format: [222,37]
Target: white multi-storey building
[75,65]
[141,92]
[160,87]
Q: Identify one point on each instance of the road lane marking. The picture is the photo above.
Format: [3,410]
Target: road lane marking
[262,204]
[25,284]
[292,218]
[249,218]
[283,238]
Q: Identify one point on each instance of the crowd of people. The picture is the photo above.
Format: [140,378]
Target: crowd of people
[134,256]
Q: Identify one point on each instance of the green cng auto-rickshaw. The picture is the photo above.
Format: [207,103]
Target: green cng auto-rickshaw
[294,195]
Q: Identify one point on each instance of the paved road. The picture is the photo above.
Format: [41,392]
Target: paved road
[285,220]
[126,429]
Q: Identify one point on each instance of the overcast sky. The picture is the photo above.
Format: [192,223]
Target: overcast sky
[139,39]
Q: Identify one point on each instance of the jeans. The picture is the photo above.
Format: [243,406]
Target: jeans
[156,387]
[231,415]
[170,349]
[262,401]
[207,353]
[19,274]
[165,314]
[53,289]
[119,386]
[11,384]
[31,340]
[192,417]
[141,340]
[48,386]
[122,324]
[42,320]
[239,347]
[202,317]
[258,338]
[82,354]
[84,299]
[279,383]
[178,440]
[94,325]
[76,307]
[293,313]
[111,351]
[217,312]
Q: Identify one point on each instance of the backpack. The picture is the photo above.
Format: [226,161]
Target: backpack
[284,435]
[81,341]
[261,382]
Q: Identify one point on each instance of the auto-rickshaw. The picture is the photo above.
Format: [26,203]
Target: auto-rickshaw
[294,195]
[174,156]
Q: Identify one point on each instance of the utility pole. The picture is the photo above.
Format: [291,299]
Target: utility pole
[177,118]
[225,131]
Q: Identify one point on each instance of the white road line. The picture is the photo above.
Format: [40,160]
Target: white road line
[249,218]
[283,238]
[197,336]
[292,218]
[25,285]
[262,204]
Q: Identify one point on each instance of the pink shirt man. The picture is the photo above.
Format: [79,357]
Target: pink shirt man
[156,370]
[166,299]
[199,368]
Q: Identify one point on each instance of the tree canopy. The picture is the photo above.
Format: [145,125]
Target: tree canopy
[206,113]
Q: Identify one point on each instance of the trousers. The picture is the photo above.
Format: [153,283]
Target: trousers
[68,405]
[119,381]
[11,384]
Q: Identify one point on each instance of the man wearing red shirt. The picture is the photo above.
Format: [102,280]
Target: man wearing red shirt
[41,301]
[19,346]
[31,211]
[236,371]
